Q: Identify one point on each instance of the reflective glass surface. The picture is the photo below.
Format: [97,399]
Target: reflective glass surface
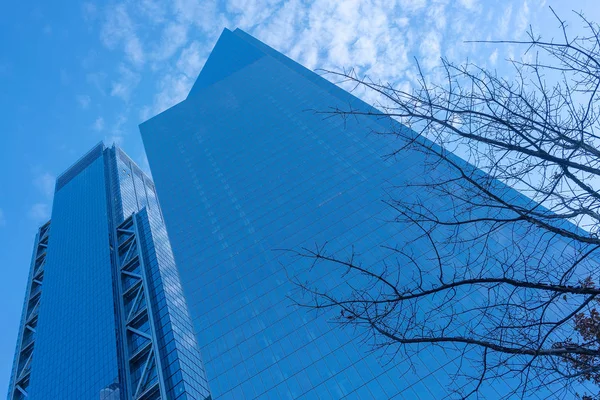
[75,354]
[244,169]
[83,347]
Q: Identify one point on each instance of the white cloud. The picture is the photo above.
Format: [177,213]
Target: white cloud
[39,212]
[468,4]
[204,15]
[379,38]
[97,80]
[175,84]
[173,88]
[145,113]
[98,124]
[494,57]
[249,13]
[430,50]
[2,218]
[282,29]
[522,19]
[84,101]
[191,60]
[173,37]
[119,30]
[45,182]
[437,15]
[155,11]
[504,24]
[116,131]
[90,11]
[412,5]
[127,82]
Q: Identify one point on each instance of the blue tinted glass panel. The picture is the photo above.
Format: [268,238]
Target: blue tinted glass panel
[75,349]
[243,169]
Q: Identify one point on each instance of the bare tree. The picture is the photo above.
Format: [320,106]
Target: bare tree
[508,279]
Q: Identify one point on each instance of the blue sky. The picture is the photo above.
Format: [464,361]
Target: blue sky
[74,73]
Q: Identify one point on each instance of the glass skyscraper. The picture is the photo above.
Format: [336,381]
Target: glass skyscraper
[246,171]
[193,298]
[104,315]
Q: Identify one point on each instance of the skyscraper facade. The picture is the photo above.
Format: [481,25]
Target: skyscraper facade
[104,315]
[247,172]
[129,299]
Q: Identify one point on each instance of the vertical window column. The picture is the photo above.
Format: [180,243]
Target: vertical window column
[144,372]
[26,342]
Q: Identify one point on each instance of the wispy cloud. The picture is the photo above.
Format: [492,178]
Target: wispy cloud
[504,23]
[494,57]
[116,132]
[191,60]
[89,11]
[412,5]
[155,11]
[523,18]
[45,182]
[98,81]
[430,50]
[39,212]
[98,125]
[173,37]
[469,4]
[169,42]
[84,101]
[202,15]
[173,88]
[145,113]
[127,82]
[119,30]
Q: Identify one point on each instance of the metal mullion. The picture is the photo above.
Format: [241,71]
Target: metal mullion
[131,288]
[30,313]
[137,315]
[126,222]
[149,390]
[36,297]
[134,305]
[142,334]
[27,346]
[129,263]
[140,354]
[21,374]
[22,390]
[125,258]
[144,371]
[123,323]
[126,241]
[142,350]
[131,274]
[40,269]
